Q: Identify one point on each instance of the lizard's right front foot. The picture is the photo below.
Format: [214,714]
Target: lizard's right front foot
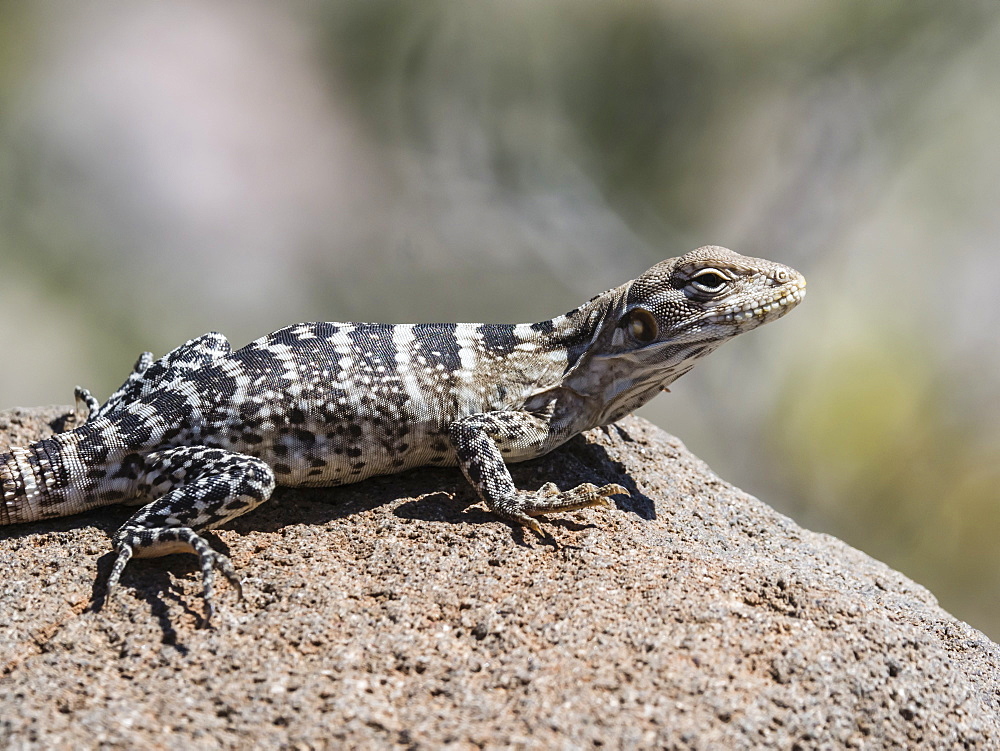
[548,499]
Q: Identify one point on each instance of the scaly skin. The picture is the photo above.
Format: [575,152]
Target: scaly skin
[205,433]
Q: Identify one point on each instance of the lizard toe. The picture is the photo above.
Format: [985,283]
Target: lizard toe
[141,542]
[582,496]
[124,556]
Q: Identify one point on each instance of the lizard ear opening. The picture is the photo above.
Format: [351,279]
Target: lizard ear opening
[641,325]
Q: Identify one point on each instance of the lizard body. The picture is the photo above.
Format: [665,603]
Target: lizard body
[205,433]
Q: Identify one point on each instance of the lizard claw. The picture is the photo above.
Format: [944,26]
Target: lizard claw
[606,491]
[124,556]
[548,499]
[582,496]
[144,543]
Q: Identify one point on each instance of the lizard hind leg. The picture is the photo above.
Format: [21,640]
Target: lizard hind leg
[87,405]
[148,373]
[195,489]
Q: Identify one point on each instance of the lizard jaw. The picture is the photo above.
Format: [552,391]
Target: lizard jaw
[766,309]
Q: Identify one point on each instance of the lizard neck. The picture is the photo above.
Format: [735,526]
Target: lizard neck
[574,333]
[572,402]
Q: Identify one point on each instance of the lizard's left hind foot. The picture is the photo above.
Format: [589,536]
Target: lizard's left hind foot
[199,488]
[137,542]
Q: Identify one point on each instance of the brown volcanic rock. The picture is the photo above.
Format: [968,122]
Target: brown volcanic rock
[389,613]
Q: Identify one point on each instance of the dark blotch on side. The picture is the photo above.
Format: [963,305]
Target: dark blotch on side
[544,327]
[130,467]
[498,338]
[374,342]
[324,330]
[305,436]
[438,344]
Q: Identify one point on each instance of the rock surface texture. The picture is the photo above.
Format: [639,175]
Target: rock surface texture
[396,612]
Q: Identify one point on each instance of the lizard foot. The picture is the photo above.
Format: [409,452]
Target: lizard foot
[549,498]
[86,404]
[133,542]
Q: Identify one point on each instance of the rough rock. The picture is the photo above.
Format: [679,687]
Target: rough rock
[397,612]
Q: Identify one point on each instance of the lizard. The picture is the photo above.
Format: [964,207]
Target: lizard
[205,433]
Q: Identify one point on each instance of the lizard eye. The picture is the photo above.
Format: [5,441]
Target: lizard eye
[708,280]
[641,325]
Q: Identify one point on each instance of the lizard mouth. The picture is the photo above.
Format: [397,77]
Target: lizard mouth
[763,307]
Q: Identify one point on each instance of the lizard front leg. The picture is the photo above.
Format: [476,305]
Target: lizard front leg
[196,489]
[480,442]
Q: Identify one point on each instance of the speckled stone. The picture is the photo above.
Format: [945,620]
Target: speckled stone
[397,612]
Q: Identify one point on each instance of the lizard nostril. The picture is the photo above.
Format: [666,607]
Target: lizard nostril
[782,276]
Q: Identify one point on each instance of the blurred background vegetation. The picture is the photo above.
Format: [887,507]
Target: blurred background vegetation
[172,168]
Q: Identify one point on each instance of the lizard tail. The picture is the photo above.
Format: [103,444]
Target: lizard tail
[28,479]
[58,476]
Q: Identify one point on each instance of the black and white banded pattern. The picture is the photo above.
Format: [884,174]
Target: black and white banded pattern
[205,433]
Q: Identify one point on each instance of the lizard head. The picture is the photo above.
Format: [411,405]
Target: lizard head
[710,294]
[657,326]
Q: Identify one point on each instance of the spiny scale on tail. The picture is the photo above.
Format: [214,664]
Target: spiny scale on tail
[205,433]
